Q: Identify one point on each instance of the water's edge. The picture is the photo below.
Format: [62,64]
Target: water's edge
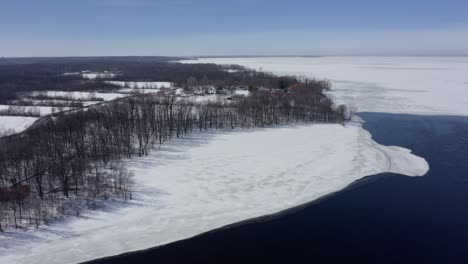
[385,217]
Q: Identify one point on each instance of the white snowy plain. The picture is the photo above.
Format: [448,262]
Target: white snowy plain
[409,85]
[213,179]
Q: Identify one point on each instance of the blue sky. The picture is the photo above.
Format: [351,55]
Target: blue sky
[255,27]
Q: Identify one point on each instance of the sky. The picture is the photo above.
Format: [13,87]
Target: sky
[235,28]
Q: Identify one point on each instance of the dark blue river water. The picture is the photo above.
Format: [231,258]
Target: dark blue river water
[386,218]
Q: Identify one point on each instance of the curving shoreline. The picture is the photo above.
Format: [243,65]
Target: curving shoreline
[209,181]
[384,218]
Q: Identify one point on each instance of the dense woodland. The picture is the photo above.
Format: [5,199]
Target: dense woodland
[71,161]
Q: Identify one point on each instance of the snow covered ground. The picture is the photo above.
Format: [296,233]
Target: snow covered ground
[142,85]
[214,98]
[201,99]
[137,90]
[412,85]
[43,110]
[82,95]
[15,124]
[213,179]
[242,92]
[148,90]
[93,75]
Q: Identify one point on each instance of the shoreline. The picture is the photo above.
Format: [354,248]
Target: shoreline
[242,231]
[280,133]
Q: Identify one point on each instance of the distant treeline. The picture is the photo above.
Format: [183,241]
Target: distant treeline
[183,75]
[18,78]
[48,74]
[67,163]
[88,60]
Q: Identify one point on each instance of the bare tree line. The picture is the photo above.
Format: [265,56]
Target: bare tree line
[74,159]
[47,102]
[19,110]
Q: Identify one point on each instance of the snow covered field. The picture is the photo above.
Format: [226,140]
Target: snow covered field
[93,75]
[142,85]
[43,110]
[242,92]
[81,95]
[213,179]
[15,124]
[412,85]
[177,91]
[201,99]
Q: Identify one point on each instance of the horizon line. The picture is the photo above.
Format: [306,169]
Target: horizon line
[235,56]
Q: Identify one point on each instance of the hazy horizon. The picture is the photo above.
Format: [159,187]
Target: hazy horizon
[53,28]
[235,56]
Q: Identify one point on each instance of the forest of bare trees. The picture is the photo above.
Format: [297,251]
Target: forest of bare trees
[69,161]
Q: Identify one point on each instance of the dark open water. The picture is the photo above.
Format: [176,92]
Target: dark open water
[387,218]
